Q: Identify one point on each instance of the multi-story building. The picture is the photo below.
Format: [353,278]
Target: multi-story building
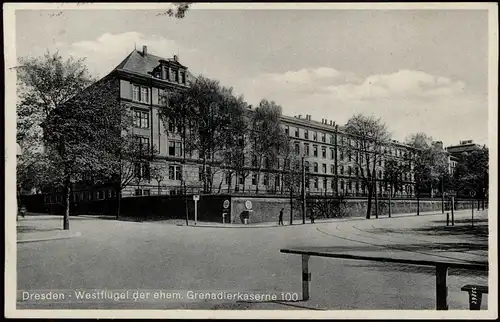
[330,154]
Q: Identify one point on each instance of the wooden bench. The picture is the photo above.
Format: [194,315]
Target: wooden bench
[475,295]
[441,270]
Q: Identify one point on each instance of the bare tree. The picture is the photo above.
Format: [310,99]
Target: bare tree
[371,136]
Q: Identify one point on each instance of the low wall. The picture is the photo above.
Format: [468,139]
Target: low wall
[266,209]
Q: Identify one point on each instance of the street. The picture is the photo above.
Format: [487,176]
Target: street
[121,255]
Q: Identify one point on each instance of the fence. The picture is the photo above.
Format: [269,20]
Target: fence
[441,270]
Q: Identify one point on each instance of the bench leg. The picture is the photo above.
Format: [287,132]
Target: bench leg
[306,277]
[475,300]
[441,288]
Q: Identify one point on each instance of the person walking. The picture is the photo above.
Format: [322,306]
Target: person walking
[280,219]
[312,216]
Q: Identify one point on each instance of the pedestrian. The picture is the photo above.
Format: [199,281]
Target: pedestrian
[280,219]
[312,216]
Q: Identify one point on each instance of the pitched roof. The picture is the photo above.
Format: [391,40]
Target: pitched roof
[138,63]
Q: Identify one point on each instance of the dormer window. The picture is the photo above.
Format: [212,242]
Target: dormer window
[183,77]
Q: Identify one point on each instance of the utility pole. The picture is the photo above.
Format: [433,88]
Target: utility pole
[303,192]
[390,199]
[442,195]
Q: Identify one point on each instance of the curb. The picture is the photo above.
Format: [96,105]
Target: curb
[21,241]
[333,220]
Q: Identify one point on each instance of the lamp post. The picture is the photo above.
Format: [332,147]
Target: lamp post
[303,192]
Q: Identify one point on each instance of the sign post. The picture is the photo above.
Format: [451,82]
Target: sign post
[196,198]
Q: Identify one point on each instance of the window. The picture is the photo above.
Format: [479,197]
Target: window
[315,150]
[332,139]
[341,154]
[341,169]
[332,184]
[138,192]
[254,159]
[227,178]
[323,152]
[349,185]
[296,132]
[266,179]
[176,76]
[349,170]
[357,157]
[315,167]
[342,185]
[357,186]
[142,170]
[140,94]
[297,150]
[141,119]
[306,149]
[174,148]
[241,179]
[306,134]
[380,174]
[254,179]
[357,171]
[146,192]
[110,192]
[332,169]
[349,156]
[135,93]
[174,172]
[315,136]
[325,184]
[277,181]
[324,167]
[332,154]
[145,94]
[316,183]
[143,143]
[183,78]
[306,166]
[287,130]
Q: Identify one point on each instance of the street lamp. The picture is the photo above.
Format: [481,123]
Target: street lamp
[303,191]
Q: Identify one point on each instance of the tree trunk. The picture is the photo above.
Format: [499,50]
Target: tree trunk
[118,201]
[67,193]
[390,200]
[291,206]
[418,202]
[376,201]
[369,205]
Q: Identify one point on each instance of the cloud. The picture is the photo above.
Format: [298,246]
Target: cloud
[408,101]
[108,50]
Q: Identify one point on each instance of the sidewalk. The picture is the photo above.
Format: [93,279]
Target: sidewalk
[298,222]
[40,228]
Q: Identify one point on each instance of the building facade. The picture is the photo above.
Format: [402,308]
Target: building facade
[330,155]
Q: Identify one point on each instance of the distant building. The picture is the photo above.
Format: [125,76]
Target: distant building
[464,146]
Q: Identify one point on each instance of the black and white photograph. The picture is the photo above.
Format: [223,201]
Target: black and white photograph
[251,160]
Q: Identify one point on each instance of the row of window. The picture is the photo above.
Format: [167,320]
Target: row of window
[344,141]
[83,196]
[171,74]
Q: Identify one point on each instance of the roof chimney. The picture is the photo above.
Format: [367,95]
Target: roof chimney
[300,116]
[144,50]
[176,58]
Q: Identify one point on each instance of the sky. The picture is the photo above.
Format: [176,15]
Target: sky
[418,70]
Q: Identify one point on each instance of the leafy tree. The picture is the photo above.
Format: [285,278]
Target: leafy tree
[43,84]
[472,173]
[76,135]
[210,118]
[267,138]
[394,173]
[430,163]
[178,10]
[371,136]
